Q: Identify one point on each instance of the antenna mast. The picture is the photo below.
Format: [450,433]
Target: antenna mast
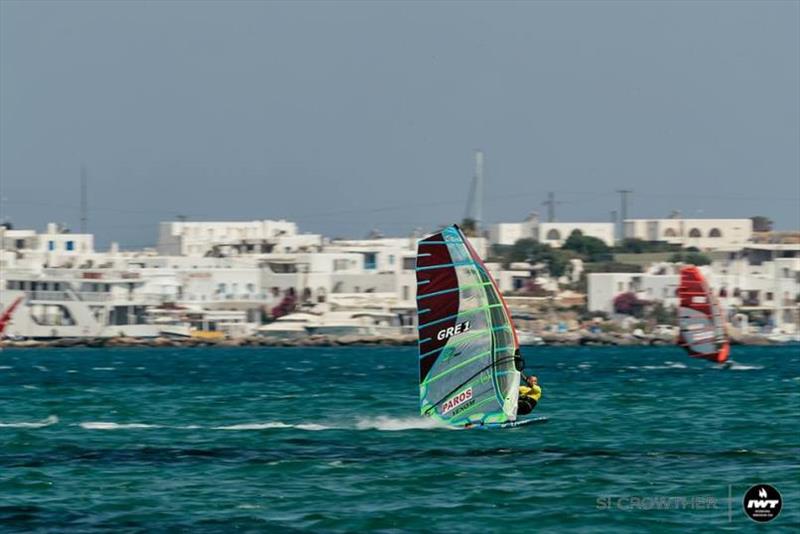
[84,203]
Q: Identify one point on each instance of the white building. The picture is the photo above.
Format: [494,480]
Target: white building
[200,238]
[657,285]
[556,233]
[55,241]
[510,233]
[552,233]
[704,234]
[762,280]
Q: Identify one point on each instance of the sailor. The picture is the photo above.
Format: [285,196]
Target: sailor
[529,395]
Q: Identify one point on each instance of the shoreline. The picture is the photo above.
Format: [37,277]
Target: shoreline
[567,339]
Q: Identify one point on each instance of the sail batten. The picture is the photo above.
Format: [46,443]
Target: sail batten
[466,342]
[702,326]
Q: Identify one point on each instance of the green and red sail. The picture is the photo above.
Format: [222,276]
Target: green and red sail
[467,341]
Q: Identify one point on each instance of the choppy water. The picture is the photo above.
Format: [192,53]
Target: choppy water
[328,440]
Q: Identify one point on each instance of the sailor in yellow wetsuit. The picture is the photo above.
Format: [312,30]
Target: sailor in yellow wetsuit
[529,396]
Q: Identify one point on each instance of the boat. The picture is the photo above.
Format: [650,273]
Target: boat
[369,323]
[63,303]
[469,368]
[335,323]
[529,339]
[702,326]
[291,326]
[781,336]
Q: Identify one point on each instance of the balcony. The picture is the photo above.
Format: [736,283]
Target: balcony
[37,295]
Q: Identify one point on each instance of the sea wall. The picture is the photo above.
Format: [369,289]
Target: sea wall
[569,338]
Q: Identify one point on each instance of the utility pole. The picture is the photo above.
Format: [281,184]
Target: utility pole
[84,202]
[623,210]
[551,206]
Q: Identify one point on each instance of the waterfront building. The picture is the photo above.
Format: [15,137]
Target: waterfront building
[759,280]
[226,238]
[556,233]
[703,234]
[552,233]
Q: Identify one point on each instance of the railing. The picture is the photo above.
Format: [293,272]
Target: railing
[48,295]
[90,296]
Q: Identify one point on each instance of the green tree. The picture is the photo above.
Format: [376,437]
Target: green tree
[532,251]
[634,245]
[695,258]
[591,248]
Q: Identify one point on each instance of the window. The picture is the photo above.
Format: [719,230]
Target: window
[695,232]
[409,264]
[715,232]
[391,259]
[769,295]
[670,232]
[369,261]
[70,245]
[51,245]
[405,292]
[553,235]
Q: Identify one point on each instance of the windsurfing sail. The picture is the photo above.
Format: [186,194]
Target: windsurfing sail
[702,327]
[5,317]
[467,342]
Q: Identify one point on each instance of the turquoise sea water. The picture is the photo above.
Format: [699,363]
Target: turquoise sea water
[328,440]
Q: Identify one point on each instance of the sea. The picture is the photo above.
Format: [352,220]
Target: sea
[330,440]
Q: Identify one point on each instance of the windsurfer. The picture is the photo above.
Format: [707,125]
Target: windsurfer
[529,396]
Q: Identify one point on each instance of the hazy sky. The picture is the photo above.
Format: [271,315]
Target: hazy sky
[348,116]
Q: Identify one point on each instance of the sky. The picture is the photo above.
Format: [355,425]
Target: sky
[352,116]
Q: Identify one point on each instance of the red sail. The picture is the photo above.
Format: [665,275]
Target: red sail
[5,317]
[702,327]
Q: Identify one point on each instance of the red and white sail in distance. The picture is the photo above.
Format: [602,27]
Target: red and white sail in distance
[702,327]
[5,317]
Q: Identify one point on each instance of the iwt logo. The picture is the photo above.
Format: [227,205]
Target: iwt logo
[762,503]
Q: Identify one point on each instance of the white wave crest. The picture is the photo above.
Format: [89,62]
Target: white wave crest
[393,424]
[273,424]
[253,426]
[51,420]
[667,365]
[105,425]
[312,427]
[734,366]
